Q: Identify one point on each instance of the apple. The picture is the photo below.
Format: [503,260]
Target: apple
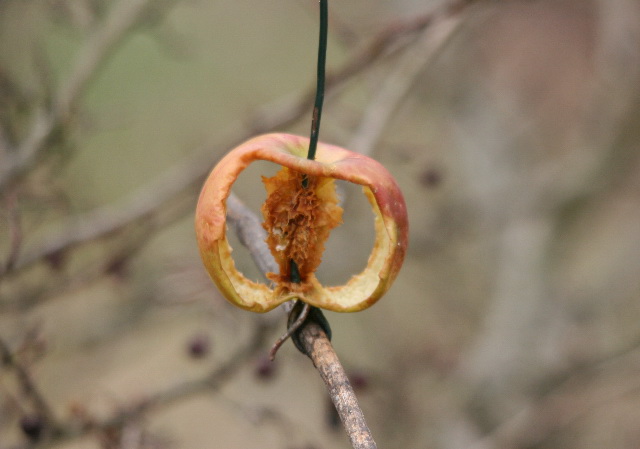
[300,211]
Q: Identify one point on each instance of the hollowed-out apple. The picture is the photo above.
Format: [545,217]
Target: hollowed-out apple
[300,211]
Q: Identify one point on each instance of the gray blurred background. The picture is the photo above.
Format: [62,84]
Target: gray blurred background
[512,128]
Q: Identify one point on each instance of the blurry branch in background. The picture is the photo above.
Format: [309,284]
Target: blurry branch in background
[392,40]
[81,423]
[142,206]
[114,262]
[563,401]
[338,27]
[91,58]
[398,83]
[15,231]
[208,383]
[9,360]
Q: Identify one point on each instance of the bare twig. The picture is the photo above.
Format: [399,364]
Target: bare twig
[210,382]
[324,358]
[249,229]
[15,230]
[399,82]
[110,219]
[28,386]
[532,425]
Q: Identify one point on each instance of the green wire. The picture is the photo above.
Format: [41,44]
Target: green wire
[322,58]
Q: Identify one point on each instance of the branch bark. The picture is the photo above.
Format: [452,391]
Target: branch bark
[326,361]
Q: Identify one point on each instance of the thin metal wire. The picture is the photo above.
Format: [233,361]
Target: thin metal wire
[322,58]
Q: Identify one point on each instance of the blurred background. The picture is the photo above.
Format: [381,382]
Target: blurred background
[512,128]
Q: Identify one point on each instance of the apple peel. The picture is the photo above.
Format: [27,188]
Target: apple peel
[382,191]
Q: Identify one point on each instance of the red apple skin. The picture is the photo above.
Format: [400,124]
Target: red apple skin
[288,150]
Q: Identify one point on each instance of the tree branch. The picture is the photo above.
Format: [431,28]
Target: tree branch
[249,229]
[180,391]
[399,81]
[326,361]
[28,386]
